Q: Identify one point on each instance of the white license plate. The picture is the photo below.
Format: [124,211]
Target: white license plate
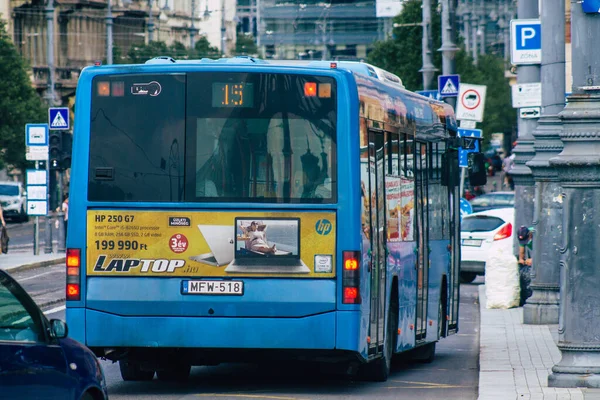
[235,288]
[471,242]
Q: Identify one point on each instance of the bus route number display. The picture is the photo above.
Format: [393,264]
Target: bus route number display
[232,94]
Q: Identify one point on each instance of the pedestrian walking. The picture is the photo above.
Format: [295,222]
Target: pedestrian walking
[3,233]
[525,236]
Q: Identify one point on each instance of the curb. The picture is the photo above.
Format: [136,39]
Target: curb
[47,304]
[38,264]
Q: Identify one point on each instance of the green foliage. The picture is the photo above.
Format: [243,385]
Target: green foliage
[245,46]
[203,49]
[402,55]
[19,103]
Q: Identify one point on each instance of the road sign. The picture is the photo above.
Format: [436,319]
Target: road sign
[530,112]
[590,6]
[58,118]
[526,41]
[36,153]
[465,123]
[448,85]
[465,208]
[37,207]
[36,135]
[463,154]
[36,176]
[36,192]
[432,94]
[527,95]
[471,102]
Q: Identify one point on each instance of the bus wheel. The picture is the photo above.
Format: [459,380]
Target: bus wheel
[178,372]
[467,277]
[379,370]
[133,372]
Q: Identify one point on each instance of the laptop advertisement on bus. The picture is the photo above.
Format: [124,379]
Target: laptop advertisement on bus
[217,244]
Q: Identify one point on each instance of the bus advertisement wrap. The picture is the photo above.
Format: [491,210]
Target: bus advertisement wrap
[210,244]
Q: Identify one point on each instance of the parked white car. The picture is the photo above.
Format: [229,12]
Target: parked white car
[14,201]
[480,235]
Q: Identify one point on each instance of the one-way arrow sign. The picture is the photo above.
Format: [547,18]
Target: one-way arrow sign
[530,112]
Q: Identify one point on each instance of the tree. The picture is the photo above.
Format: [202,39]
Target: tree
[245,46]
[402,53]
[203,49]
[19,103]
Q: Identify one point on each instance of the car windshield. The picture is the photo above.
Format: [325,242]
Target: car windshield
[480,223]
[9,190]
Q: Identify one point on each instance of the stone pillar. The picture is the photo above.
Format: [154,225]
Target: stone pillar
[578,167]
[524,152]
[542,306]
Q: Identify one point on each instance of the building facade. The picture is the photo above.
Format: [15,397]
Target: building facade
[315,29]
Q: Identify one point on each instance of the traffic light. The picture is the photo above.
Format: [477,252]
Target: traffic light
[55,149]
[66,149]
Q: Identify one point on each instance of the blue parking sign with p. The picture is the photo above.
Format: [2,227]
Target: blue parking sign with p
[529,37]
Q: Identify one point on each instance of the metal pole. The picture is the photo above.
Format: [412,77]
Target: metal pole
[150,23]
[448,48]
[223,30]
[48,242]
[428,68]
[60,216]
[506,31]
[542,306]
[463,173]
[481,31]
[578,168]
[109,33]
[50,95]
[36,227]
[474,46]
[524,151]
[192,27]
[467,30]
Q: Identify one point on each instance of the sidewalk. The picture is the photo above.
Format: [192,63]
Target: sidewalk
[516,359]
[21,261]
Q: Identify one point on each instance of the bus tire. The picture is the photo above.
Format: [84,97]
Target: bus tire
[133,372]
[178,372]
[378,370]
[467,277]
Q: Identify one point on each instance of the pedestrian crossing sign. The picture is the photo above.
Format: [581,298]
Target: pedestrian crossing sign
[58,118]
[448,85]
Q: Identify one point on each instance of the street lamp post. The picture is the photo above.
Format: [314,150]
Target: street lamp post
[109,33]
[521,174]
[428,69]
[542,306]
[578,167]
[448,48]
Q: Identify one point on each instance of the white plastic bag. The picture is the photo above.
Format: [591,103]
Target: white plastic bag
[502,288]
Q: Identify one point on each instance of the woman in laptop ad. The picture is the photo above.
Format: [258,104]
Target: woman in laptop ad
[254,235]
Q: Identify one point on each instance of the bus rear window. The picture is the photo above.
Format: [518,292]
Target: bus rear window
[214,136]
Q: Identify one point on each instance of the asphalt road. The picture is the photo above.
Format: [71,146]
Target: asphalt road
[21,234]
[453,375]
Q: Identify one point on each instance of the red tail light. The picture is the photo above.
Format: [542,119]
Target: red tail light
[351,277]
[73,274]
[504,233]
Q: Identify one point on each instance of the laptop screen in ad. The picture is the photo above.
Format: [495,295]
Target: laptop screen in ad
[267,238]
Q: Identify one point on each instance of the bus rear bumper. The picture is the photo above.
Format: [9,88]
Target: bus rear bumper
[104,330]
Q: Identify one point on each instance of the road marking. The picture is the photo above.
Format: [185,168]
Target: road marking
[37,276]
[248,396]
[424,385]
[55,310]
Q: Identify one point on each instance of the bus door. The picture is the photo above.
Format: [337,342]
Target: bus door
[422,175]
[454,282]
[378,239]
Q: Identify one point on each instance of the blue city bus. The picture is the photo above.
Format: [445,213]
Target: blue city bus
[241,210]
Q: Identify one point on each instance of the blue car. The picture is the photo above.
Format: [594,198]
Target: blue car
[37,359]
